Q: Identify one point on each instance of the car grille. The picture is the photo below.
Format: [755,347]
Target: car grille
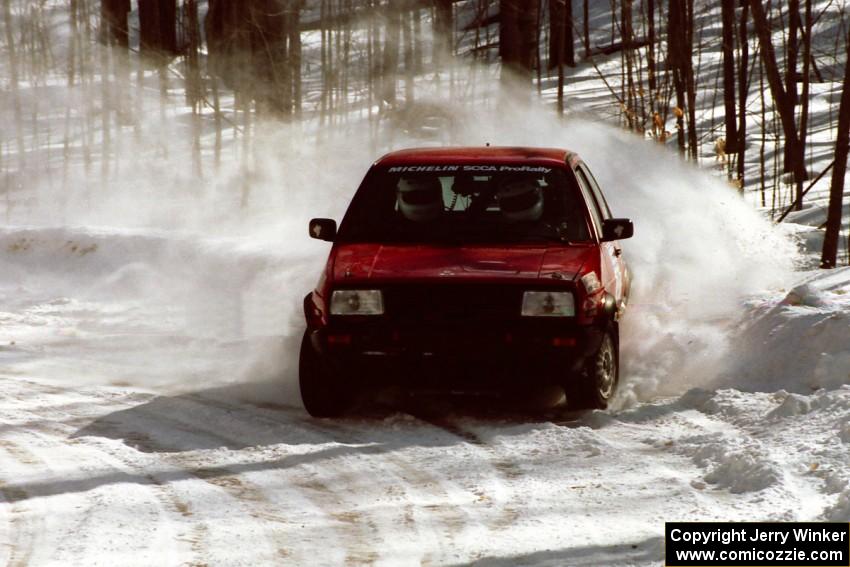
[452,303]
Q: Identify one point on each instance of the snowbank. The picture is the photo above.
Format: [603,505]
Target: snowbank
[798,342]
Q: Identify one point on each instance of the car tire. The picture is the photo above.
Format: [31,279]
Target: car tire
[321,394]
[594,386]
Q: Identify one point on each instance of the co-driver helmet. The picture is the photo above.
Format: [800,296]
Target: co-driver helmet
[521,199]
[420,198]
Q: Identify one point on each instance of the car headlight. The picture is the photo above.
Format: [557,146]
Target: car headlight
[548,304]
[357,302]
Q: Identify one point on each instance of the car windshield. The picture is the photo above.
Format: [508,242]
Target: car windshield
[466,204]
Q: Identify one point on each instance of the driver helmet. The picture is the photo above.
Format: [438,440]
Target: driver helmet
[521,199]
[420,198]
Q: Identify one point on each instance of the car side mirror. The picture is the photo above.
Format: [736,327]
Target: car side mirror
[617,229]
[323,229]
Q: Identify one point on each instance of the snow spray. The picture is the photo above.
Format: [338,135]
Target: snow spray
[227,256]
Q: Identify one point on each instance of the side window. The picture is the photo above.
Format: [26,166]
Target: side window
[595,214]
[597,192]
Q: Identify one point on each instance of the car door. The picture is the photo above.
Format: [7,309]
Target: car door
[614,270]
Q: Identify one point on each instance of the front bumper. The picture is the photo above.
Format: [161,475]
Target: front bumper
[457,354]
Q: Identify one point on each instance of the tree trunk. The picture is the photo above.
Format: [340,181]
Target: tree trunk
[729,103]
[791,47]
[113,22]
[193,74]
[650,54]
[557,36]
[13,81]
[783,103]
[569,36]
[627,37]
[509,39]
[391,50]
[324,63]
[443,33]
[836,191]
[158,26]
[517,40]
[295,56]
[807,61]
[675,54]
[72,42]
[409,42]
[561,33]
[743,91]
[690,83]
[229,29]
[268,83]
[255,47]
[586,22]
[417,40]
[793,43]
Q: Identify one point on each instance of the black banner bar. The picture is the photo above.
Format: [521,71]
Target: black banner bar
[757,544]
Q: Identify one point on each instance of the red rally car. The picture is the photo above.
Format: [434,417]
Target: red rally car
[467,269]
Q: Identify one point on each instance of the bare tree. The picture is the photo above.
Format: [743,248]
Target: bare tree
[113,21]
[13,79]
[561,33]
[194,80]
[784,103]
[227,33]
[443,32]
[791,49]
[586,24]
[650,54]
[389,66]
[517,40]
[690,81]
[807,68]
[158,26]
[743,91]
[677,52]
[409,52]
[627,37]
[294,54]
[836,191]
[557,37]
[255,47]
[729,102]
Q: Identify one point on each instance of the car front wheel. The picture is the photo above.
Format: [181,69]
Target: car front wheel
[594,386]
[321,394]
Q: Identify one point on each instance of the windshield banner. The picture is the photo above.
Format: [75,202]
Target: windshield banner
[475,168]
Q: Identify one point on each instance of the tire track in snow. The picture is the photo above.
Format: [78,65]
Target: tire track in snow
[438,516]
[57,434]
[353,525]
[507,470]
[441,516]
[63,423]
[244,495]
[171,467]
[151,435]
[23,524]
[368,491]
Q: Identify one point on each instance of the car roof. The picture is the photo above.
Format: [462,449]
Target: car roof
[483,154]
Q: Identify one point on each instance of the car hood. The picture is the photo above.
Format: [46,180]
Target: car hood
[354,262]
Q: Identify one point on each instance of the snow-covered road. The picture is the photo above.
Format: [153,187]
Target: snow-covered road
[150,412]
[109,475]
